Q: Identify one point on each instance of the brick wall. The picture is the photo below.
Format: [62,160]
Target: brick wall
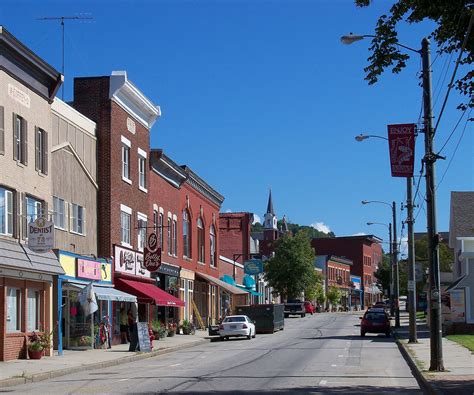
[234,235]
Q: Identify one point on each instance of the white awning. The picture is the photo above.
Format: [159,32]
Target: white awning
[108,293]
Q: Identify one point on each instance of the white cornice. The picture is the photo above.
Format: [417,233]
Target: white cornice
[132,100]
[67,112]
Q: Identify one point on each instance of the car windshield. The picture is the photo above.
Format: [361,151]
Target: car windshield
[234,319]
[375,317]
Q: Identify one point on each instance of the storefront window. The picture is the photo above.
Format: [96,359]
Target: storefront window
[13,310]
[34,310]
[78,327]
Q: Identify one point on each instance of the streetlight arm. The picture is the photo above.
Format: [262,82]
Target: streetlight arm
[362,137]
[375,201]
[352,38]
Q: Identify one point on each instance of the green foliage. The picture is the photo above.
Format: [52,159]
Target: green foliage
[383,273]
[158,328]
[294,229]
[320,297]
[312,289]
[451,18]
[334,295]
[446,257]
[291,271]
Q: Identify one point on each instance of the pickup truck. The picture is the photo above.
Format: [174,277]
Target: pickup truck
[294,307]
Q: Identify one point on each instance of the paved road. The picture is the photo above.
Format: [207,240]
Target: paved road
[317,354]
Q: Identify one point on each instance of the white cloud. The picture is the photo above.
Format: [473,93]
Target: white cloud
[256,219]
[321,227]
[359,234]
[228,210]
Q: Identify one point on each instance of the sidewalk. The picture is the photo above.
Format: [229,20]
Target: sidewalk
[22,371]
[458,377]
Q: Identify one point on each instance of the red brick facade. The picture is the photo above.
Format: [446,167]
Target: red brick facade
[234,232]
[364,251]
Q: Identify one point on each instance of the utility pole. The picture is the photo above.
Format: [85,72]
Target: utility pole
[392,307]
[411,263]
[62,18]
[395,267]
[436,335]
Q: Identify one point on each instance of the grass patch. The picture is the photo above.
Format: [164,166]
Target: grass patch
[420,315]
[464,340]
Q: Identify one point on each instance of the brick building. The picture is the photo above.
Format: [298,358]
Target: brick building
[124,117]
[364,251]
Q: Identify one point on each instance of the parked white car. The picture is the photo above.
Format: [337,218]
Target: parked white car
[237,326]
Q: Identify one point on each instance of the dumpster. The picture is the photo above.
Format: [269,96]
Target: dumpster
[268,317]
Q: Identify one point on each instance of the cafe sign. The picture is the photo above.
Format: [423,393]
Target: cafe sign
[40,235]
[253,266]
[152,256]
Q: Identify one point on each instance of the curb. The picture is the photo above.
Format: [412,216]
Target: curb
[10,382]
[426,385]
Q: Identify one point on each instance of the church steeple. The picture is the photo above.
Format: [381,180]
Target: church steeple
[270,217]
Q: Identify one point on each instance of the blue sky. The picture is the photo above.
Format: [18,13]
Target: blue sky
[262,94]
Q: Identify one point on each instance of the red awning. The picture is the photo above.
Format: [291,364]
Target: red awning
[148,293]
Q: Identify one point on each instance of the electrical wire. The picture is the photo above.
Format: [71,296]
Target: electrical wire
[454,73]
[454,129]
[454,152]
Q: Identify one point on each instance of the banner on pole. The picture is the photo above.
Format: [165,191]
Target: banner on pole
[401,141]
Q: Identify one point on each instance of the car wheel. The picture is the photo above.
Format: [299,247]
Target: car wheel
[222,338]
[287,315]
[254,333]
[249,337]
[303,315]
[387,334]
[362,334]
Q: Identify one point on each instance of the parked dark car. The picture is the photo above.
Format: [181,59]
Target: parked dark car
[375,320]
[309,308]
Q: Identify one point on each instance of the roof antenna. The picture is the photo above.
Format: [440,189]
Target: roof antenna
[62,19]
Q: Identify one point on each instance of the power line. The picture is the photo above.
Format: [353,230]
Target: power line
[454,129]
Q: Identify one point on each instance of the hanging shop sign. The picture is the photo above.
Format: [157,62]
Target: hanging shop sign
[152,255]
[170,270]
[253,266]
[356,282]
[401,140]
[130,262]
[40,235]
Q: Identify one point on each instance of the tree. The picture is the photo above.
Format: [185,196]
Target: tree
[334,295]
[291,270]
[320,297]
[383,273]
[312,289]
[452,22]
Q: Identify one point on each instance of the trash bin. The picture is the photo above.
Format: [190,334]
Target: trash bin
[268,317]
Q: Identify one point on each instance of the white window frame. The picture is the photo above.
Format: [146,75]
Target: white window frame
[124,210]
[75,221]
[36,316]
[58,215]
[142,178]
[212,246]
[175,235]
[16,295]
[201,241]
[142,232]
[169,235]
[6,212]
[126,150]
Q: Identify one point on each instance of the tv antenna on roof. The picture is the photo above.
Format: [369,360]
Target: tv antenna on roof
[62,19]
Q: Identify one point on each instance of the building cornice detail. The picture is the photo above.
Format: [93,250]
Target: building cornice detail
[202,187]
[73,116]
[132,100]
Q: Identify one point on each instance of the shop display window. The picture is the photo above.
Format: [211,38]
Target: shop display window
[13,309]
[33,310]
[77,331]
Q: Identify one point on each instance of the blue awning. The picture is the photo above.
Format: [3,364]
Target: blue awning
[249,281]
[228,279]
[250,291]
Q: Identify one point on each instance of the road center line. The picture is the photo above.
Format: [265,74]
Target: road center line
[323,382]
[176,364]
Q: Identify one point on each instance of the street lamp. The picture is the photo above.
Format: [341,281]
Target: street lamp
[411,252]
[394,258]
[430,157]
[390,291]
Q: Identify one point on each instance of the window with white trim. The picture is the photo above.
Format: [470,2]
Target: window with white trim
[6,212]
[142,224]
[13,310]
[186,235]
[77,218]
[200,235]
[59,213]
[125,225]
[212,250]
[141,172]
[33,310]
[160,229]
[175,237]
[170,241]
[125,162]
[41,151]
[20,139]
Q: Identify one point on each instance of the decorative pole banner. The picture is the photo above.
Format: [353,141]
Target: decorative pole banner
[401,141]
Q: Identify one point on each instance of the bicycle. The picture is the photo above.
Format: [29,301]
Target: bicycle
[103,334]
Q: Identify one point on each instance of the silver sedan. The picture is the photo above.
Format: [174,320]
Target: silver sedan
[237,326]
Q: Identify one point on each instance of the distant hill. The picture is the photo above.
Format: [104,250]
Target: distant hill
[295,228]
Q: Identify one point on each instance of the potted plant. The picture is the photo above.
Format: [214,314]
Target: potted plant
[187,327]
[37,343]
[159,330]
[171,329]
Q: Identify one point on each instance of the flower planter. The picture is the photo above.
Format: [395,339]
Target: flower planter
[32,354]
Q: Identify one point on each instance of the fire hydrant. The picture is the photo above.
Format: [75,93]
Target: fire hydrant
[152,337]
